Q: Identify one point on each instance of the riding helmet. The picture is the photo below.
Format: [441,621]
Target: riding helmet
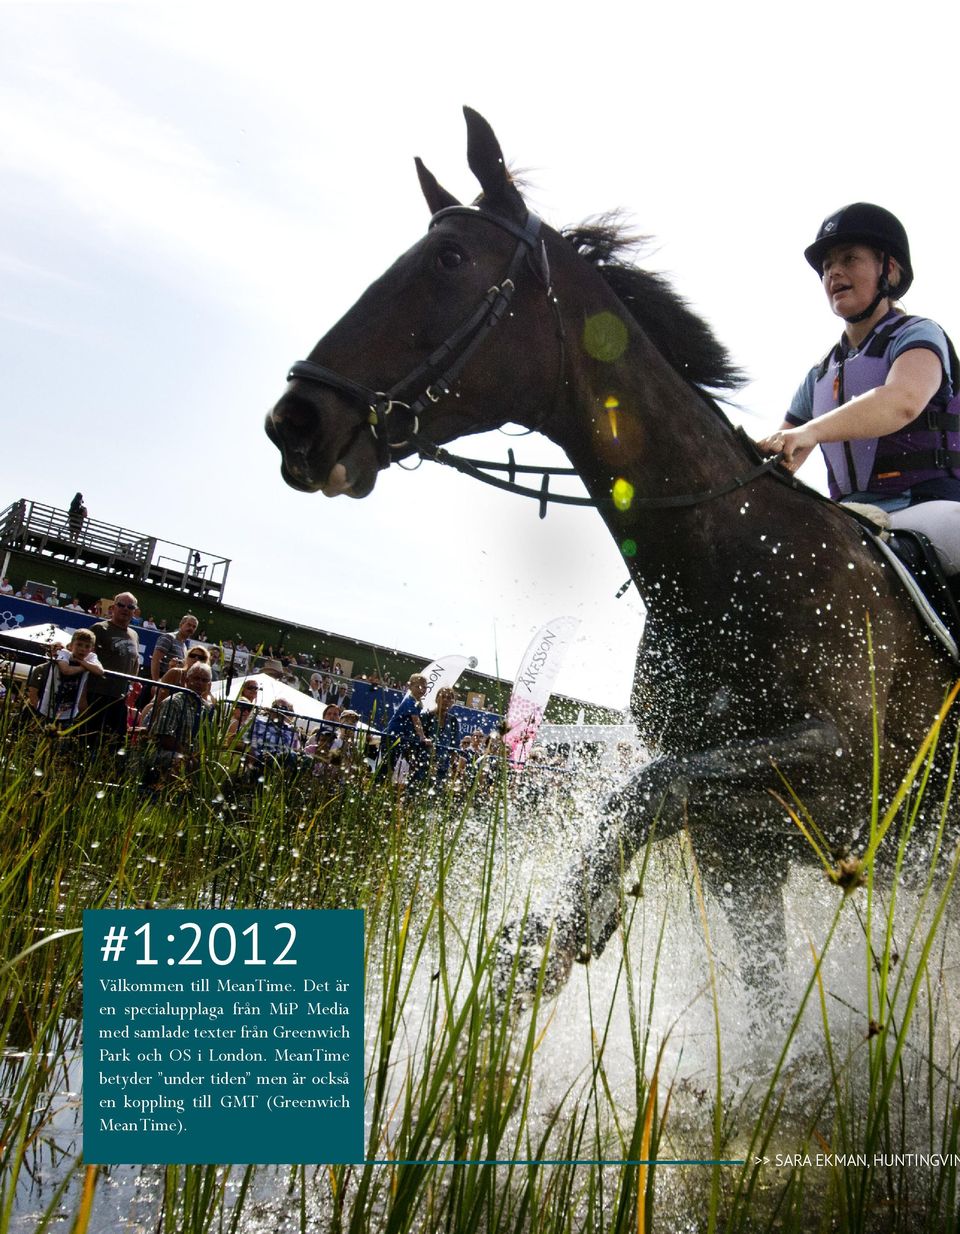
[863,223]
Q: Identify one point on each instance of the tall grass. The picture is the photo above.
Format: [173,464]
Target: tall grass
[488,1106]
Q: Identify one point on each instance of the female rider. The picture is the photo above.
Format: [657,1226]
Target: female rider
[879,404]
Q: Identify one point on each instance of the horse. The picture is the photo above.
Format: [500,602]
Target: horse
[755,676]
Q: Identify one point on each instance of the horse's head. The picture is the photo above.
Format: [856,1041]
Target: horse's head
[404,369]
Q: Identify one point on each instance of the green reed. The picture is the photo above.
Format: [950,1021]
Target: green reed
[457,1046]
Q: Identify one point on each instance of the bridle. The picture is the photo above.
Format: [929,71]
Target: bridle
[400,407]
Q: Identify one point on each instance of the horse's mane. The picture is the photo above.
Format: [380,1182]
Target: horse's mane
[682,338]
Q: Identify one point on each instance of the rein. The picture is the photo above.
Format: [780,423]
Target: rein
[476,468]
[430,381]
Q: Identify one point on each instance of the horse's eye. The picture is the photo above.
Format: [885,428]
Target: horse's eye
[449,257]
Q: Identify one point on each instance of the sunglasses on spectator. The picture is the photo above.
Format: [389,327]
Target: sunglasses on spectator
[195,655]
[123,604]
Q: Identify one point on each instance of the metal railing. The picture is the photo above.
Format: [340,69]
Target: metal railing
[30,527]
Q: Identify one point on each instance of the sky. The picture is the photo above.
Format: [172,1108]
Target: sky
[191,195]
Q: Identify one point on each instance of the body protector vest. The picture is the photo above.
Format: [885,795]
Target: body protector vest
[925,449]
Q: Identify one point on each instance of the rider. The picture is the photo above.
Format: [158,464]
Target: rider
[877,404]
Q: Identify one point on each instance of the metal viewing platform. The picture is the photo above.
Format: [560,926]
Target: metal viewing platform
[29,527]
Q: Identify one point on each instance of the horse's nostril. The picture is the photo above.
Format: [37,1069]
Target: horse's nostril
[294,415]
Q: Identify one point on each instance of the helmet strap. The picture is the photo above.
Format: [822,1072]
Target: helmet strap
[883,291]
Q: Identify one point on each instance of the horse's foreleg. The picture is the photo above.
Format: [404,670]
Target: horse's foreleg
[586,906]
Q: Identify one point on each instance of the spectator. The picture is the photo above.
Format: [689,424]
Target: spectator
[65,681]
[315,689]
[75,606]
[336,692]
[215,666]
[347,749]
[443,725]
[291,679]
[167,649]
[53,599]
[76,516]
[320,750]
[462,766]
[244,710]
[6,587]
[176,726]
[405,746]
[118,650]
[272,739]
[176,675]
[170,647]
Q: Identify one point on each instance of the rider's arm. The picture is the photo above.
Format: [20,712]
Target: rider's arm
[913,380]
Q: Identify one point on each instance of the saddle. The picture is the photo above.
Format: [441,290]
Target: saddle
[916,553]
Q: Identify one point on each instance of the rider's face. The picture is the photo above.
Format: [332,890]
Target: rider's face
[851,273]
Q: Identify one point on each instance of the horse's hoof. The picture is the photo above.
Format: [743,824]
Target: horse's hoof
[527,949]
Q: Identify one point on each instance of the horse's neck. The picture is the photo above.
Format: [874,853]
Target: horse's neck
[640,423]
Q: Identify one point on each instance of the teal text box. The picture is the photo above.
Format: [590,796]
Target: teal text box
[223,1036]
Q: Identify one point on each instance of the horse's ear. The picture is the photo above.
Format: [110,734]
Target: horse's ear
[437,196]
[486,162]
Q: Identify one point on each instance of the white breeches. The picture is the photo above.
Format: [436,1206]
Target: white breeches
[939,521]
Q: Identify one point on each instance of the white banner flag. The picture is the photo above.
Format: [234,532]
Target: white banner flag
[444,672]
[534,684]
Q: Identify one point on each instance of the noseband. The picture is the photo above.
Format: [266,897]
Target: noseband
[401,406]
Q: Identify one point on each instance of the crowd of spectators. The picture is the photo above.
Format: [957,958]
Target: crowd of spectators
[165,715]
[93,690]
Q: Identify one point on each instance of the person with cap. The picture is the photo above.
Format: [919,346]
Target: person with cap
[272,739]
[880,404]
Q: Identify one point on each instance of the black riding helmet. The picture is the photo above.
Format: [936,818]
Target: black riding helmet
[864,223]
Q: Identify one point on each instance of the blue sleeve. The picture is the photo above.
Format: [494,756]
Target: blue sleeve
[801,405]
[927,334]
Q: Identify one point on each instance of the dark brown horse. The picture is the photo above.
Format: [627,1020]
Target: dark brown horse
[754,658]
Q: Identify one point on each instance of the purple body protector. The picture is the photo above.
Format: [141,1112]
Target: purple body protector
[927,448]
